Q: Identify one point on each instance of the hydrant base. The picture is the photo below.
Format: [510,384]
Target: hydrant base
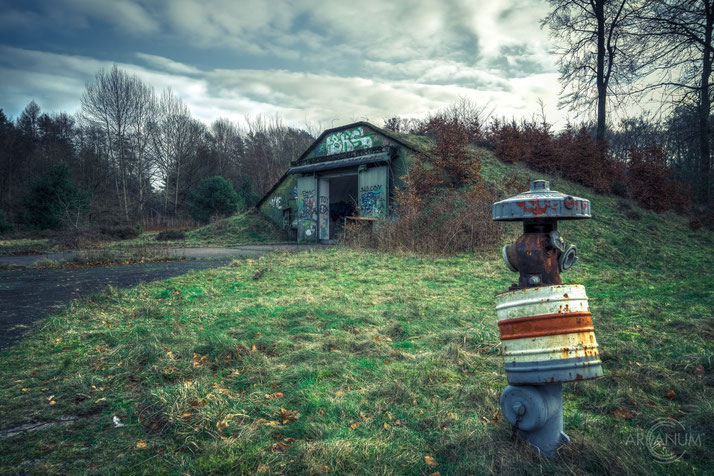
[537,413]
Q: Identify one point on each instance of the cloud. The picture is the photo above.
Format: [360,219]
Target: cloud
[14,18]
[126,15]
[167,64]
[57,81]
[315,60]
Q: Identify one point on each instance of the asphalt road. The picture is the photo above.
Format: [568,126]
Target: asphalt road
[28,295]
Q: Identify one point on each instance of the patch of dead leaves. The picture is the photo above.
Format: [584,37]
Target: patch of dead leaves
[624,413]
[288,416]
[199,360]
[431,462]
[280,447]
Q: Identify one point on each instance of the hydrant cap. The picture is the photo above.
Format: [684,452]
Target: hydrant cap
[541,202]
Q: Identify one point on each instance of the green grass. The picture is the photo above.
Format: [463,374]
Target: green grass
[384,360]
[251,227]
[247,228]
[20,246]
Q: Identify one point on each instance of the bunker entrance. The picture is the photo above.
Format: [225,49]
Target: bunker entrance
[341,195]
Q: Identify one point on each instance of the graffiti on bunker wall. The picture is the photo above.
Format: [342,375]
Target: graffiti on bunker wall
[324,216]
[373,203]
[307,212]
[349,140]
[276,202]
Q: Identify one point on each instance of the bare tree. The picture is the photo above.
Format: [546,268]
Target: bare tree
[140,137]
[594,59]
[110,103]
[270,145]
[175,140]
[678,36]
[227,146]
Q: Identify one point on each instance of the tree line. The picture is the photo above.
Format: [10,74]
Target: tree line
[136,155]
[661,52]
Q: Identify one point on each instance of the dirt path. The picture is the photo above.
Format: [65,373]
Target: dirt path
[28,295]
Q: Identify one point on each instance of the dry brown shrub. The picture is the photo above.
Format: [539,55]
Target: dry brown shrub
[469,115]
[650,181]
[444,207]
[645,176]
[508,142]
[79,239]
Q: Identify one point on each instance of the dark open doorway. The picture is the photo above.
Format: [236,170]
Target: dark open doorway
[343,202]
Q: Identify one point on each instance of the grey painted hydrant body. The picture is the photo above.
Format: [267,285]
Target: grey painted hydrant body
[546,328]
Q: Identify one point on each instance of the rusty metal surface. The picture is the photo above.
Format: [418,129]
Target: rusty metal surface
[539,203]
[547,335]
[545,325]
[536,259]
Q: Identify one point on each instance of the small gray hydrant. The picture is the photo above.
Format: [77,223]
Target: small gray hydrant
[547,334]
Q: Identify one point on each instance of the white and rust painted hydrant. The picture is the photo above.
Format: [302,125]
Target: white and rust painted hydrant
[546,329]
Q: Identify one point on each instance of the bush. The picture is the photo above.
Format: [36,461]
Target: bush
[120,232]
[171,235]
[651,181]
[79,239]
[444,207]
[214,196]
[5,225]
[619,189]
[55,201]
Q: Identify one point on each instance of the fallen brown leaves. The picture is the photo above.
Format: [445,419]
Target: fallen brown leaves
[288,416]
[199,360]
[280,447]
[431,462]
[624,413]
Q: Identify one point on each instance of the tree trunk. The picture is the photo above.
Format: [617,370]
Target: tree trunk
[705,111]
[140,208]
[122,165]
[600,80]
[178,171]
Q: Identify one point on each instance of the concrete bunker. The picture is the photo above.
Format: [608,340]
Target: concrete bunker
[348,173]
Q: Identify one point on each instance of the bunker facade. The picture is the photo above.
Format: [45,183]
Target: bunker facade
[348,173]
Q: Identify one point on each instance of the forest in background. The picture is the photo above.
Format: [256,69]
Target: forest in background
[133,155]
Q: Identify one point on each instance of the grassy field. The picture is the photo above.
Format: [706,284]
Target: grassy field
[246,228]
[352,361]
[250,227]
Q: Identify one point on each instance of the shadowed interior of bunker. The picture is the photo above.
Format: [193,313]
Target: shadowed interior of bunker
[343,200]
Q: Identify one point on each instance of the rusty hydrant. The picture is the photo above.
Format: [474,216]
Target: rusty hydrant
[547,334]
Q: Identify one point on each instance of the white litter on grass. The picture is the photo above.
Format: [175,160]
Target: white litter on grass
[117,422]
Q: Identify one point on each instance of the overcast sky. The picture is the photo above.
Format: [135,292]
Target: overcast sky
[326,62]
